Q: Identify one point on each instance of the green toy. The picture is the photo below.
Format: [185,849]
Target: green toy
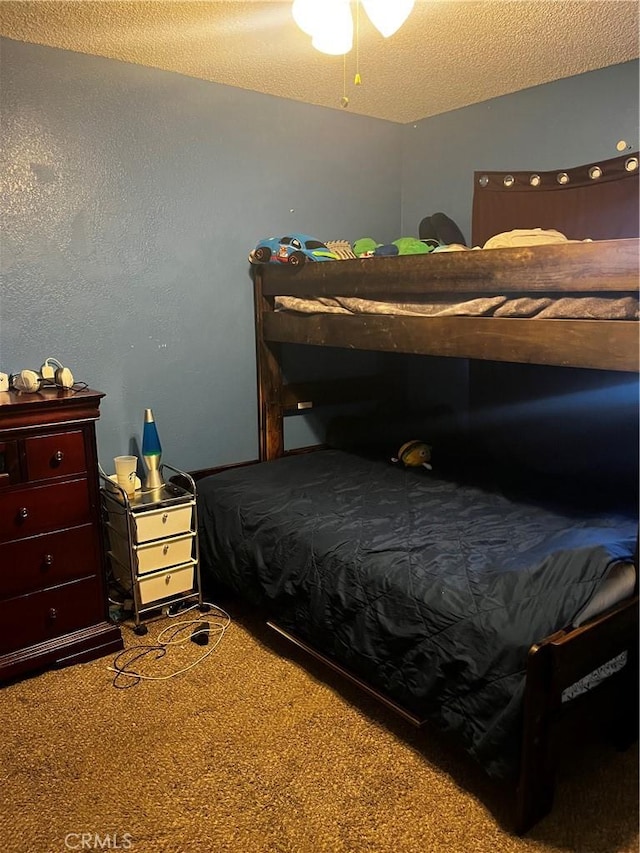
[366,247]
[411,246]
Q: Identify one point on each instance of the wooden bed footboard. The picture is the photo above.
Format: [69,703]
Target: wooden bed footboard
[556,664]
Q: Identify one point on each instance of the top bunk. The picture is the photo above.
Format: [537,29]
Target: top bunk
[572,303]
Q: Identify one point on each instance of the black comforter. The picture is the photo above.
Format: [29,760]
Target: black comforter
[430,590]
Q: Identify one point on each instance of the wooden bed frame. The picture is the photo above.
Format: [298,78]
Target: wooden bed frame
[605,267]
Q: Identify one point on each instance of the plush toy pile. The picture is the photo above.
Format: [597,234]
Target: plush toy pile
[436,233]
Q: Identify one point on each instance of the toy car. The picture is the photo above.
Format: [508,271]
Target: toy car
[293,249]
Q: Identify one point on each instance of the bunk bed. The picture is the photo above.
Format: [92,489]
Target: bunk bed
[461,601]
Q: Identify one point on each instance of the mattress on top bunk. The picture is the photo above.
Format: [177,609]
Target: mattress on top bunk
[534,307]
[431,590]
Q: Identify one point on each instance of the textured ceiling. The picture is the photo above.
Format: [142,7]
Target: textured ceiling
[447,55]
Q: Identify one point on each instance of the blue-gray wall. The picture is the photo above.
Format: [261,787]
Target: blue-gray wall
[559,125]
[130,198]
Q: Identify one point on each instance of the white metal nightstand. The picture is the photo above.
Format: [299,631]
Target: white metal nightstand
[152,541]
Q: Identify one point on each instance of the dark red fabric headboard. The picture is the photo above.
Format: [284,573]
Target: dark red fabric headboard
[602,207]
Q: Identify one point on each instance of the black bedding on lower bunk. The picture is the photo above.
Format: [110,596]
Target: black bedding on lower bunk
[430,590]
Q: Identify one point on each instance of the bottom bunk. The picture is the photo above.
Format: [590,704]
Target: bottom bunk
[463,600]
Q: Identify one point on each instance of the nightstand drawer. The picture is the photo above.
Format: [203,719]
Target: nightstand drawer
[31,619]
[26,512]
[55,455]
[48,560]
[165,584]
[154,524]
[153,555]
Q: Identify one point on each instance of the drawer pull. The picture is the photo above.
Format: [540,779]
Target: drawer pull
[48,560]
[165,550]
[53,613]
[165,517]
[23,513]
[167,580]
[58,456]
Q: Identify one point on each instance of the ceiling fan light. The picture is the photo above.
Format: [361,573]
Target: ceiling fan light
[306,13]
[387,16]
[333,32]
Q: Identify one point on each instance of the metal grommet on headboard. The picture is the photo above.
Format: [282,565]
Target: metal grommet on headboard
[562,178]
[631,164]
[595,172]
[508,180]
[483,180]
[535,180]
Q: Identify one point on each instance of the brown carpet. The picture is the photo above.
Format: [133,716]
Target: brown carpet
[252,752]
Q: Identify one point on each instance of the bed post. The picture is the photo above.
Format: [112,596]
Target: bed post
[557,663]
[269,378]
[534,796]
[627,732]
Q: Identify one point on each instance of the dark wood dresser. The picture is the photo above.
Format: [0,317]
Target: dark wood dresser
[53,601]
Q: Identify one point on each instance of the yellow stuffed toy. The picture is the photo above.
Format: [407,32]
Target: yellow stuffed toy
[414,454]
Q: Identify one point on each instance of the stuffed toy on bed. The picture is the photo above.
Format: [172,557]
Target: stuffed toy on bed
[366,247]
[414,454]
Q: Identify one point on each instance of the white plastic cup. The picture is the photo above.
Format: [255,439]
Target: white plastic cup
[126,473]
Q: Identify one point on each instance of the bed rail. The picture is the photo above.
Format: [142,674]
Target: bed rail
[603,266]
[596,344]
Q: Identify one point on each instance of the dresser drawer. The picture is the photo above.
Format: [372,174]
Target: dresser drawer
[57,455]
[155,524]
[27,620]
[9,463]
[48,560]
[165,584]
[26,512]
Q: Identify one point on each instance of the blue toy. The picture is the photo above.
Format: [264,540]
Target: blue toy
[294,249]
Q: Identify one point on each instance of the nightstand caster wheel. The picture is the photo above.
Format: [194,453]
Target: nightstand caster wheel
[140,630]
